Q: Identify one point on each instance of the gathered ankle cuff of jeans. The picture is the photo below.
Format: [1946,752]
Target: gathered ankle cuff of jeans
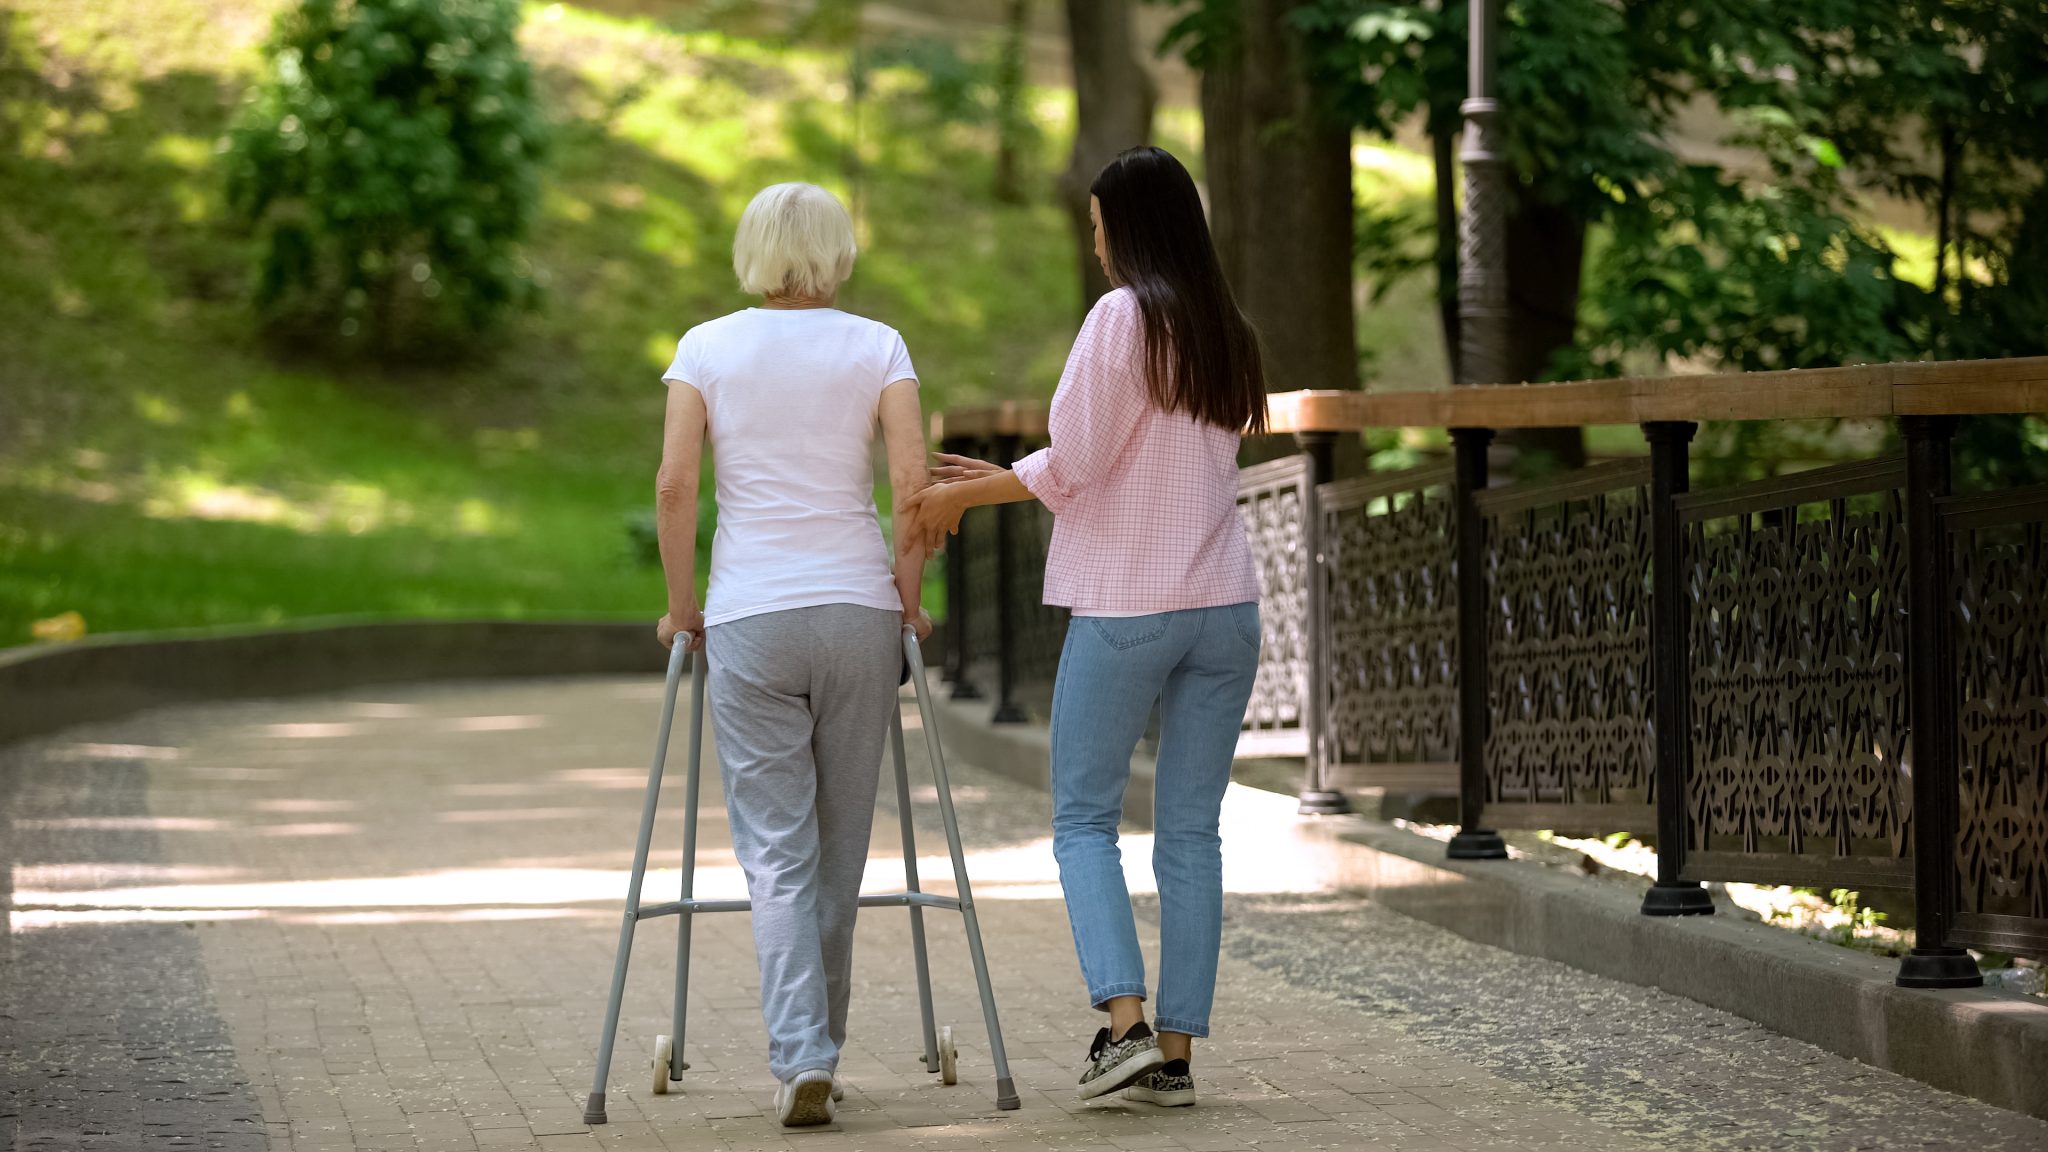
[1184,1027]
[1100,997]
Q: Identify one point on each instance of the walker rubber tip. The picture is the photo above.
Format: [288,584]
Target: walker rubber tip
[1006,1095]
[593,1111]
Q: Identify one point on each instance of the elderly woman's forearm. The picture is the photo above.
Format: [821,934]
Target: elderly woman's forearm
[909,573]
[675,531]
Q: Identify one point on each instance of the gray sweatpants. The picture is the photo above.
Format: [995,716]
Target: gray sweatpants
[800,704]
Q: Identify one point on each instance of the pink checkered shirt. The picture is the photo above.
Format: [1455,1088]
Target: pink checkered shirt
[1144,502]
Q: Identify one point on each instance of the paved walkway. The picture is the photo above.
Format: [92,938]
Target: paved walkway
[384,920]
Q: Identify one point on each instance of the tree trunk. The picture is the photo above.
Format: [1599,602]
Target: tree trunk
[1943,202]
[1546,247]
[1009,181]
[1280,202]
[1113,98]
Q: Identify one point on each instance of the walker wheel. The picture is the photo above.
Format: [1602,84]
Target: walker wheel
[664,1051]
[949,1057]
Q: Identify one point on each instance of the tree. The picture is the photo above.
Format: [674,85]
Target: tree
[390,166]
[1937,101]
[1013,123]
[1277,154]
[1568,137]
[1113,99]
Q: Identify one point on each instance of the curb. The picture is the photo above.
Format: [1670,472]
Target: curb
[51,686]
[1985,1044]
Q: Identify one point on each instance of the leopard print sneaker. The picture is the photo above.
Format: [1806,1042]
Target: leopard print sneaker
[1117,1064]
[1170,1086]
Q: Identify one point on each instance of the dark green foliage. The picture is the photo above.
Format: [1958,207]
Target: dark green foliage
[1693,263]
[1939,102]
[390,166]
[1748,278]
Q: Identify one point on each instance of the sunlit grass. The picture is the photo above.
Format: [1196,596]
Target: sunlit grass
[1410,172]
[161,466]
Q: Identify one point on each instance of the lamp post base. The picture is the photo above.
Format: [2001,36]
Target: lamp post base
[1678,899]
[1939,968]
[1316,802]
[1477,844]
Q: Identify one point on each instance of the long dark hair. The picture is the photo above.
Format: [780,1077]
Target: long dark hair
[1201,354]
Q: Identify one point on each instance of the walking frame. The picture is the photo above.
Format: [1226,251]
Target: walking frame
[668,1064]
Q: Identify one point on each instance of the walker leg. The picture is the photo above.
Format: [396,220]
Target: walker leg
[1006,1088]
[684,919]
[593,1108]
[917,948]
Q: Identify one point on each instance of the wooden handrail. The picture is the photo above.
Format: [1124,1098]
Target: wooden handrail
[1931,388]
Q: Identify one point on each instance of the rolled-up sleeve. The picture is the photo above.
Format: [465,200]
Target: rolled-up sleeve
[1101,399]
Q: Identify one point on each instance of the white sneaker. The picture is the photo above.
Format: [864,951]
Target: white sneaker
[838,1090]
[805,1099]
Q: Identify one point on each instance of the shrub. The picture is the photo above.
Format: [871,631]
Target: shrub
[389,165]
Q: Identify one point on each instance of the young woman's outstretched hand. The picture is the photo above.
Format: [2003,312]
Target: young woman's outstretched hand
[933,517]
[934,514]
[951,468]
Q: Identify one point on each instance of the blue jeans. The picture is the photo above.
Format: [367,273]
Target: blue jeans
[1199,665]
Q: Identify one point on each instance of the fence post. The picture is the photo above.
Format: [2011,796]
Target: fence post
[1007,710]
[1670,669]
[960,656]
[1931,701]
[1317,797]
[1473,841]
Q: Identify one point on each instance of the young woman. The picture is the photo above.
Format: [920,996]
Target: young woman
[1148,551]
[803,623]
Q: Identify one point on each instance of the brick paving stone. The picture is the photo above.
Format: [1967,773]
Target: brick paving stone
[384,920]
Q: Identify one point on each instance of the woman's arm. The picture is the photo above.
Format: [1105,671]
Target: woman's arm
[1100,402]
[1101,399]
[936,511]
[903,437]
[675,512]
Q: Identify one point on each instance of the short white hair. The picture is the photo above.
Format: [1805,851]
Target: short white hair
[795,240]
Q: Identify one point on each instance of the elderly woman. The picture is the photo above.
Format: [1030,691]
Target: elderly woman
[802,624]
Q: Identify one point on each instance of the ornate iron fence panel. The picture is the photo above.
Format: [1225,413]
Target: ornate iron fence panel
[1799,737]
[1390,636]
[1039,630]
[1569,744]
[1276,501]
[1998,550]
[976,610]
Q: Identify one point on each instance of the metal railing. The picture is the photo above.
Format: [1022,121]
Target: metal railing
[1837,678]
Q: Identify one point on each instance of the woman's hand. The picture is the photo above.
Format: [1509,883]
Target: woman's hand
[934,514]
[691,625]
[920,625]
[951,469]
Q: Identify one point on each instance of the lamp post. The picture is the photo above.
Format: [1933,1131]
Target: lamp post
[1482,355]
[1482,236]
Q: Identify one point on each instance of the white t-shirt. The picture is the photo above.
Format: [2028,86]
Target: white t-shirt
[792,396]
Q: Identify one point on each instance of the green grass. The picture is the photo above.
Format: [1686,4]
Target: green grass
[161,467]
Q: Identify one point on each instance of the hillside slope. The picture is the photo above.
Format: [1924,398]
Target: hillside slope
[159,466]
